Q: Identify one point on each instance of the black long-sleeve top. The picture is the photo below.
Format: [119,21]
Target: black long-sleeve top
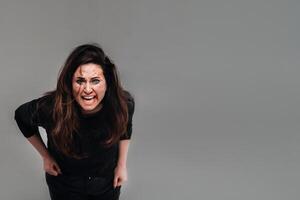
[100,161]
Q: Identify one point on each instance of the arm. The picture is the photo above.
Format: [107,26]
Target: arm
[39,145]
[123,151]
[28,120]
[50,165]
[121,169]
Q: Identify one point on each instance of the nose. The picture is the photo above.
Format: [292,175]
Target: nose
[87,88]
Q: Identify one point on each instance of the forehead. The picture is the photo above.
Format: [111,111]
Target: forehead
[89,70]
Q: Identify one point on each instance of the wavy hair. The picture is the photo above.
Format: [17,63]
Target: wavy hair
[65,115]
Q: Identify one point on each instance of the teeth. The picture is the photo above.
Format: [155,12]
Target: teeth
[88,98]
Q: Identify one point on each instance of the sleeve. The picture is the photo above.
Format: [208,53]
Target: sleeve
[131,107]
[27,118]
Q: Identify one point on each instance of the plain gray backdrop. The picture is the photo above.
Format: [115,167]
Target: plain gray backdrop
[215,81]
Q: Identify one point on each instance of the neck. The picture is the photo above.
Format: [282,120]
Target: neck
[98,108]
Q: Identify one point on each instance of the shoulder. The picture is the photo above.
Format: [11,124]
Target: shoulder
[44,107]
[32,105]
[33,112]
[46,102]
[130,101]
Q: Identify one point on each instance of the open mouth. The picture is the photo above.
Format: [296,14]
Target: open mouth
[87,98]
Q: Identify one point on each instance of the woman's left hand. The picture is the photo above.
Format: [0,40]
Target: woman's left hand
[120,175]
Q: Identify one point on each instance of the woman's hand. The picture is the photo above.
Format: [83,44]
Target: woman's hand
[120,175]
[50,166]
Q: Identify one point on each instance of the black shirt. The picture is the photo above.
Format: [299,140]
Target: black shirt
[100,161]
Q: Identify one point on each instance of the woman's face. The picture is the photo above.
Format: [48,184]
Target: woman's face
[89,86]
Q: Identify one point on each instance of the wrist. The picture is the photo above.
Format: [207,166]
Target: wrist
[122,165]
[46,156]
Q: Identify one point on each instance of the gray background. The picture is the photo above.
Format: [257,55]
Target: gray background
[215,81]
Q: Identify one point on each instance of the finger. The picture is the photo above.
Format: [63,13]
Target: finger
[119,182]
[57,168]
[54,170]
[51,172]
[54,173]
[115,182]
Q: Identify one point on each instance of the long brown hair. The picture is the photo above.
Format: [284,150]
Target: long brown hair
[64,115]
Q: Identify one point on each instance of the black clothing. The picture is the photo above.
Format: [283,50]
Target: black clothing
[63,187]
[100,161]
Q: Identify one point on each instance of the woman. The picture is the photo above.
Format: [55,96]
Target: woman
[88,120]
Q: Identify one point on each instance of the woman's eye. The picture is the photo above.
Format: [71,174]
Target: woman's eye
[79,81]
[93,81]
[96,81]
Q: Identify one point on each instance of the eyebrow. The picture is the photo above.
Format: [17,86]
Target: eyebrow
[79,77]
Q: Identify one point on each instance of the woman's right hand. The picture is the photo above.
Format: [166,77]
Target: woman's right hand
[51,166]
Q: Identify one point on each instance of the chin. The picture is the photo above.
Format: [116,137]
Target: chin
[88,109]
